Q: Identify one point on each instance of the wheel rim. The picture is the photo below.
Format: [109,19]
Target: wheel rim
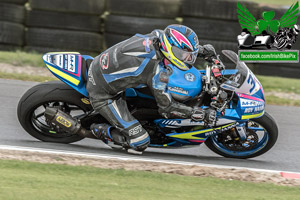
[41,125]
[251,126]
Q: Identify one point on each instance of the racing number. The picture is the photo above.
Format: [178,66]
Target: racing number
[251,82]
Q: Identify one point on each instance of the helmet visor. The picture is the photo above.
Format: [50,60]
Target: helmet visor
[185,56]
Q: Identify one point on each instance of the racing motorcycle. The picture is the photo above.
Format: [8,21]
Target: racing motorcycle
[285,38]
[60,111]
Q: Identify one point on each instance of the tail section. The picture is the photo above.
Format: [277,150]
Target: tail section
[70,67]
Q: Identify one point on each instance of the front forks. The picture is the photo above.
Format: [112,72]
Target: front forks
[241,131]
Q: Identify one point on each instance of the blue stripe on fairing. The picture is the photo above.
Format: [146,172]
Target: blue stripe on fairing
[124,123]
[112,77]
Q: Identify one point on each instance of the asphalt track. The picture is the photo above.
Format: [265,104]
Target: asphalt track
[284,156]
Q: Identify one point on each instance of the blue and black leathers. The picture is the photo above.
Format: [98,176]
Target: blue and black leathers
[132,63]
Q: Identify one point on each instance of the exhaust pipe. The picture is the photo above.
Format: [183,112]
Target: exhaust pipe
[66,122]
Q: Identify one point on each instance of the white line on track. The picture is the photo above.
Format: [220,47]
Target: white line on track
[131,158]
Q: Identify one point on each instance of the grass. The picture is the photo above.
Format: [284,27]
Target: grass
[279,84]
[20,58]
[25,77]
[274,100]
[27,180]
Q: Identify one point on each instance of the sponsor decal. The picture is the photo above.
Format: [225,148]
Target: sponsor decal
[147,44]
[178,90]
[226,128]
[248,110]
[251,103]
[104,60]
[71,63]
[85,101]
[90,75]
[63,121]
[135,130]
[58,60]
[189,77]
[255,109]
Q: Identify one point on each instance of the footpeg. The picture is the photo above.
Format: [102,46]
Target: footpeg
[132,151]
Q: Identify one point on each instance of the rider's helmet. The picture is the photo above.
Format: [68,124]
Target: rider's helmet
[180,45]
[296,29]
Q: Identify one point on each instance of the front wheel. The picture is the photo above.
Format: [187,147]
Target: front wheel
[262,134]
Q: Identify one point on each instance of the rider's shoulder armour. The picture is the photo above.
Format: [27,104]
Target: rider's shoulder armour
[184,85]
[143,46]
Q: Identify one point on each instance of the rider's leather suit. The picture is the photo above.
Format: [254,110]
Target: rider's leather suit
[133,63]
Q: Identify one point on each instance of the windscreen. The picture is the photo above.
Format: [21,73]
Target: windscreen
[243,81]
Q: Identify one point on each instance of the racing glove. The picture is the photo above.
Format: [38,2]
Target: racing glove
[207,52]
[198,114]
[208,115]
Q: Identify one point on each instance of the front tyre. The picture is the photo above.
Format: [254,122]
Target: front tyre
[55,94]
[262,135]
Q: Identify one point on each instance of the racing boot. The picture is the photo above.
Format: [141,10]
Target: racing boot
[101,131]
[137,138]
[109,135]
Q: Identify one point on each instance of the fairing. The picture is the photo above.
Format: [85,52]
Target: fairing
[67,66]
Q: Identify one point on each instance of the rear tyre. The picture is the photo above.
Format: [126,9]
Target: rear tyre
[263,144]
[53,94]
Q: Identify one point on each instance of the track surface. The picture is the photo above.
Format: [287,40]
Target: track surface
[284,156]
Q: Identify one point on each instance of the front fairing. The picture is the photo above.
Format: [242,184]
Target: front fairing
[250,101]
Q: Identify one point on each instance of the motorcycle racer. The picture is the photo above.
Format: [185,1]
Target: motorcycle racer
[140,61]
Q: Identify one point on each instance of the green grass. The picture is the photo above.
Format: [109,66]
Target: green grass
[26,180]
[20,58]
[25,77]
[281,101]
[279,84]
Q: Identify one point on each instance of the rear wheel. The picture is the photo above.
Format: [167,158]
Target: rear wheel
[55,94]
[262,133]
